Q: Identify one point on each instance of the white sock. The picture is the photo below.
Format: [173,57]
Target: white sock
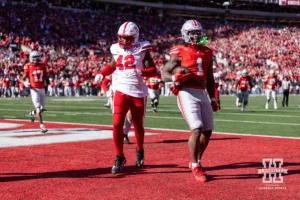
[195,165]
[42,126]
[127,126]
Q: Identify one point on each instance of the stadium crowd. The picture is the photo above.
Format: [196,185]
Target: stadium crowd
[75,45]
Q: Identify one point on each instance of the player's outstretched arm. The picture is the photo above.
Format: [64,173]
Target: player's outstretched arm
[106,71]
[168,68]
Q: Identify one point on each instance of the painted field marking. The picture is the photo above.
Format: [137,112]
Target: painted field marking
[162,117]
[173,130]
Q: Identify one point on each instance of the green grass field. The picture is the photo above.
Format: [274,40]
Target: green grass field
[256,120]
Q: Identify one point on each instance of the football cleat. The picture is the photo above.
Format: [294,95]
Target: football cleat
[119,163]
[106,105]
[154,110]
[190,166]
[126,140]
[199,174]
[139,158]
[44,130]
[31,116]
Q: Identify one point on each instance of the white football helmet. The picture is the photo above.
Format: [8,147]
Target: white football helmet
[34,57]
[190,25]
[128,35]
[244,73]
[239,73]
[272,72]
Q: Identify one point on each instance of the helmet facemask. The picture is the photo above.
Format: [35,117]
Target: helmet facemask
[126,42]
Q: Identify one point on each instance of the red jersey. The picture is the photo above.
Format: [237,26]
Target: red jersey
[37,73]
[244,83]
[153,82]
[271,82]
[197,61]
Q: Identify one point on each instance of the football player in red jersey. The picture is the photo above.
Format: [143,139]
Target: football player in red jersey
[154,90]
[192,98]
[37,74]
[131,62]
[244,85]
[271,83]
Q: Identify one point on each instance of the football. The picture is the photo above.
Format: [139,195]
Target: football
[176,69]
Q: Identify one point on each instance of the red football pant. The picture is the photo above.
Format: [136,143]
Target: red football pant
[122,103]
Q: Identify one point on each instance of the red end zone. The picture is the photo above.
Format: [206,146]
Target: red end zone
[74,162]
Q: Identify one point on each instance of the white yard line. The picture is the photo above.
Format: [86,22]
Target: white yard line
[174,130]
[165,117]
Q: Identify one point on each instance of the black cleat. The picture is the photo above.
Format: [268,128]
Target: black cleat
[139,158]
[119,162]
[106,106]
[31,116]
[43,130]
[126,140]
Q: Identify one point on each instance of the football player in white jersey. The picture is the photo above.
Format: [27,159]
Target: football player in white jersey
[131,62]
[238,92]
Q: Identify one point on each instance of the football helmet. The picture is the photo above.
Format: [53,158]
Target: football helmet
[272,72]
[34,57]
[244,73]
[128,35]
[192,26]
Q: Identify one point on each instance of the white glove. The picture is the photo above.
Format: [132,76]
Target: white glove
[27,84]
[98,78]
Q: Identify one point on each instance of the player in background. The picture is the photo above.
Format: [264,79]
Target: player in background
[131,62]
[36,72]
[106,86]
[244,85]
[192,98]
[238,92]
[217,77]
[271,82]
[154,90]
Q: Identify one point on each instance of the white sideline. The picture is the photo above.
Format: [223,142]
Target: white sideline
[174,130]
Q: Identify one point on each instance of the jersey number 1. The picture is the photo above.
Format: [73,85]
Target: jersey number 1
[200,69]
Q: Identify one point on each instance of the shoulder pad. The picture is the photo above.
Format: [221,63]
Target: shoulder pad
[115,48]
[207,50]
[26,66]
[145,46]
[176,50]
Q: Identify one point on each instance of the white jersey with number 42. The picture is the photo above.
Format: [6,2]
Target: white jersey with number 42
[125,78]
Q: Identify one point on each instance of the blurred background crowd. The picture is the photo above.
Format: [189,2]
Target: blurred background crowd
[74,38]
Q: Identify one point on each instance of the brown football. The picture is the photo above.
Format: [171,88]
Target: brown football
[176,69]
